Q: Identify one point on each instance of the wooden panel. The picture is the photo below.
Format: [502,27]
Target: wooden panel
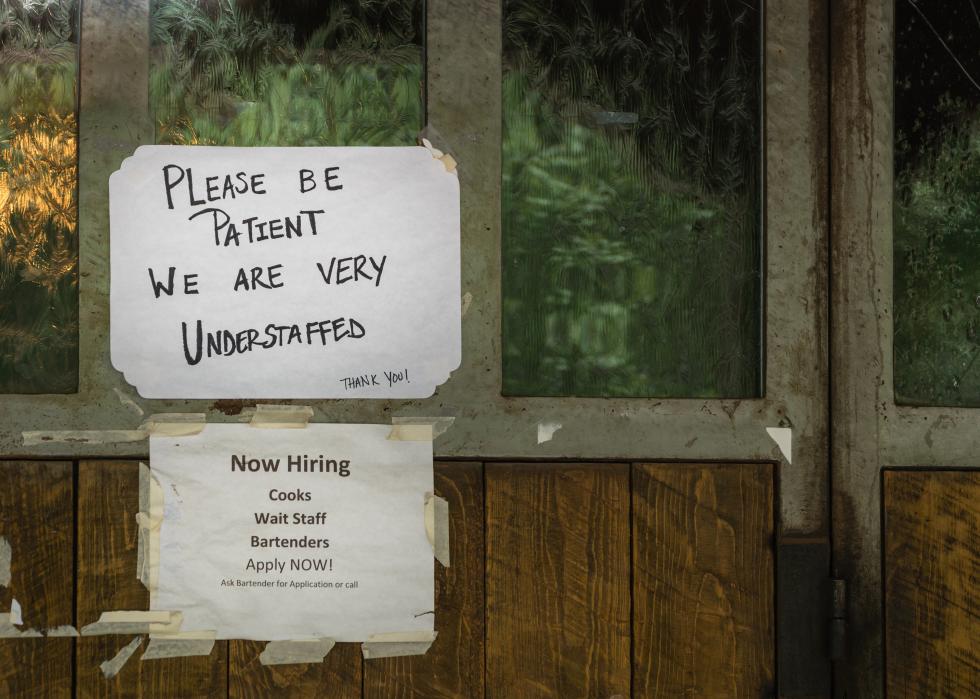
[337,677]
[703,581]
[37,518]
[558,572]
[932,594]
[108,499]
[453,667]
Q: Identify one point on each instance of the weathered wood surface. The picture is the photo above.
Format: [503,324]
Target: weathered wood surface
[558,580]
[567,580]
[703,581]
[453,667]
[932,583]
[37,518]
[108,499]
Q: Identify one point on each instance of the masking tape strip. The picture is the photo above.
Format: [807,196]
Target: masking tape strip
[440,425]
[397,645]
[281,417]
[437,526]
[412,432]
[174,424]
[171,424]
[448,161]
[149,519]
[5,555]
[111,668]
[179,645]
[123,622]
[297,652]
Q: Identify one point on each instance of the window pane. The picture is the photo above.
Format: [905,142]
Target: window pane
[300,73]
[38,212]
[937,202]
[631,198]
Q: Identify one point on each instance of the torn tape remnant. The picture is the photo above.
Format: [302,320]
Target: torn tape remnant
[9,629]
[5,556]
[281,417]
[546,431]
[399,644]
[437,526]
[296,652]
[174,424]
[110,668]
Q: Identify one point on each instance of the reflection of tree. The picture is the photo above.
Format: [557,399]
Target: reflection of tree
[38,215]
[229,75]
[937,203]
[631,198]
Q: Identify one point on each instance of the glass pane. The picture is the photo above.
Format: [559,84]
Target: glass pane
[300,73]
[631,198]
[38,183]
[937,202]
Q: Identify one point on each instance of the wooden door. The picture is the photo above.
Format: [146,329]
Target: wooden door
[638,490]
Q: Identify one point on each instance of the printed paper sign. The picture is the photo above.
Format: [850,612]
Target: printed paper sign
[299,272]
[295,533]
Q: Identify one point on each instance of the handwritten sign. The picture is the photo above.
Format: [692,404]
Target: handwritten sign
[288,534]
[296,272]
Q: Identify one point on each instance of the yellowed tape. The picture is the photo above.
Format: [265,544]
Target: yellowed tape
[448,161]
[439,424]
[170,424]
[411,432]
[110,668]
[149,519]
[437,526]
[281,417]
[174,424]
[134,622]
[398,644]
[297,652]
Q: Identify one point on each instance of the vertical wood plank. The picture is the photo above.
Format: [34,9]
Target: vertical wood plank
[703,580]
[108,499]
[337,677]
[558,580]
[454,665]
[932,597]
[37,517]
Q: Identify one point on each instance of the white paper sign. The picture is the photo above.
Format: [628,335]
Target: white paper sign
[297,272]
[296,533]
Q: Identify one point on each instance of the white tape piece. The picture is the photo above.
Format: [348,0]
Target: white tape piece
[783,437]
[398,644]
[297,652]
[5,556]
[16,616]
[65,631]
[546,431]
[281,417]
[179,645]
[111,668]
[135,622]
[128,402]
[437,526]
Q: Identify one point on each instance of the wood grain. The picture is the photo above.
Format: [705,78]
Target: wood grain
[337,677]
[932,593]
[108,499]
[558,581]
[37,518]
[703,580]
[453,667]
